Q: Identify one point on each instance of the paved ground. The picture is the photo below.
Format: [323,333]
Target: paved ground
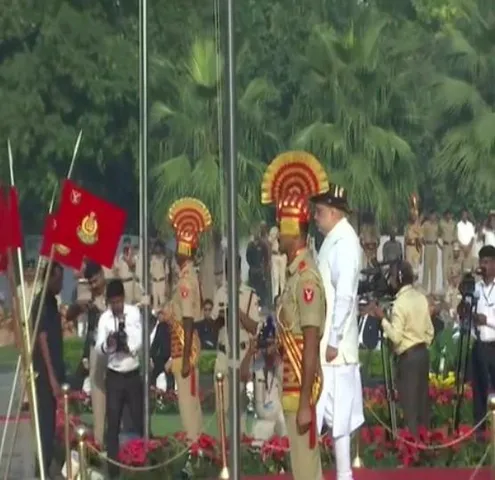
[22,465]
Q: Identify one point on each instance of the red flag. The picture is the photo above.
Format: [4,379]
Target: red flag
[5,229]
[89,224]
[14,219]
[64,255]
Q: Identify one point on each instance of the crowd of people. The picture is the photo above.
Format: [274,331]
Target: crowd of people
[301,322]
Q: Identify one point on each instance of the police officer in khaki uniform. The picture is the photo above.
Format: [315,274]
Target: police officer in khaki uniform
[159,275]
[249,320]
[301,311]
[448,235]
[92,308]
[125,268]
[189,218]
[454,275]
[413,239]
[430,242]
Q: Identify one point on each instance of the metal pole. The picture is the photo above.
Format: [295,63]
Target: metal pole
[143,199]
[232,249]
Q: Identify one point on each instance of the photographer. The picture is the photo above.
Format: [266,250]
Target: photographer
[262,361]
[483,353]
[411,332]
[120,339]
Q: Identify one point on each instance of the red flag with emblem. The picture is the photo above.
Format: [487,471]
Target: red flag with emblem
[61,254]
[88,224]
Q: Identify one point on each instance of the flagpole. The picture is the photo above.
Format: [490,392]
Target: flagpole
[25,331]
[143,200]
[33,294]
[232,249]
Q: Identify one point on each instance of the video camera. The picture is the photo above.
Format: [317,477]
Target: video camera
[120,336]
[376,285]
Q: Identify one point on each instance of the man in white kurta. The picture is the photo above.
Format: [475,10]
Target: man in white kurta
[340,406]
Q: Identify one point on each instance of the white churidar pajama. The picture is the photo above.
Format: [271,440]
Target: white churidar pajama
[341,403]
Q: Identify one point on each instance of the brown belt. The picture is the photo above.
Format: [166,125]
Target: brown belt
[159,279]
[125,280]
[414,348]
[448,243]
[411,244]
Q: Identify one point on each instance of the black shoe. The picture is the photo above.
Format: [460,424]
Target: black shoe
[25,407]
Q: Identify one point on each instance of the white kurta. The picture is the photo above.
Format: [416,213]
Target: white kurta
[341,402]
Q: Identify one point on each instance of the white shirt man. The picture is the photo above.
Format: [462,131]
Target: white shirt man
[120,338]
[341,402]
[483,351]
[466,236]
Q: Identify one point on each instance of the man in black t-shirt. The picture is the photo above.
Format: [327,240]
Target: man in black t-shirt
[48,362]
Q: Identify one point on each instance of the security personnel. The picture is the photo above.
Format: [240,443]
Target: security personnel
[448,235]
[91,362]
[249,320]
[189,218]
[288,182]
[411,332]
[125,268]
[430,242]
[413,239]
[159,274]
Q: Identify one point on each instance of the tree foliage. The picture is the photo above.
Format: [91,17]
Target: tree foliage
[392,96]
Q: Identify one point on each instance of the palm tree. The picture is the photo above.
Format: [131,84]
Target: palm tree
[188,118]
[463,111]
[354,106]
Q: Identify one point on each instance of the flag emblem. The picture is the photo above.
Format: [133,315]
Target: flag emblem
[87,232]
[62,249]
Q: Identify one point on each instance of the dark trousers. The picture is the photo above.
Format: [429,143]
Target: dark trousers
[258,284]
[122,390]
[483,376]
[413,368]
[47,408]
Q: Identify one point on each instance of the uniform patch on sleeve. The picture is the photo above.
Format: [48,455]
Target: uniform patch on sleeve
[308,293]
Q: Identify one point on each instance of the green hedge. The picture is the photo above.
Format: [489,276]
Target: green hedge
[371,361]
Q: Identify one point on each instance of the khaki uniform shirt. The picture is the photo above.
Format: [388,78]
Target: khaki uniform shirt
[158,268]
[248,304]
[123,270]
[447,231]
[430,232]
[411,323]
[413,232]
[303,299]
[186,299]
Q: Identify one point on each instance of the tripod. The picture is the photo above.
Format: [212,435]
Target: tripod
[469,303]
[389,383]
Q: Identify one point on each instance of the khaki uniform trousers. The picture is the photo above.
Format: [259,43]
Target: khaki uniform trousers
[97,371]
[227,403]
[159,293]
[189,406]
[447,261]
[413,257]
[430,268]
[305,462]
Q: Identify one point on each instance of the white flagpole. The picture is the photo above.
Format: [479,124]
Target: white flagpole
[143,198]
